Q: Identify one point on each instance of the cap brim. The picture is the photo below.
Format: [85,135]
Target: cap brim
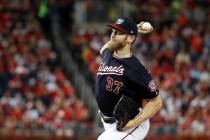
[117,27]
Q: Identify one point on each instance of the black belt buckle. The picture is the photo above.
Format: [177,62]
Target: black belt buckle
[107,119]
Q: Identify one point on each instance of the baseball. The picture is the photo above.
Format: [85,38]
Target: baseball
[146,26]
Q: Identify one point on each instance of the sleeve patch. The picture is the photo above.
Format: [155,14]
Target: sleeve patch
[152,86]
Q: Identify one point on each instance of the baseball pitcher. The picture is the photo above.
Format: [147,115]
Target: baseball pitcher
[123,83]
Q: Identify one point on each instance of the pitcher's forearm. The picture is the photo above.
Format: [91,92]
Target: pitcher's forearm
[149,110]
[110,44]
[104,47]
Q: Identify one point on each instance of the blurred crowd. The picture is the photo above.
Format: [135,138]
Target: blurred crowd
[177,53]
[36,96]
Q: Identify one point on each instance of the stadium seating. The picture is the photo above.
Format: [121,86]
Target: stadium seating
[36,96]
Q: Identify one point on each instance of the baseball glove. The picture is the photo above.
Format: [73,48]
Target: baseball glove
[125,110]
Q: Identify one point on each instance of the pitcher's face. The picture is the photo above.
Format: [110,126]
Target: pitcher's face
[120,39]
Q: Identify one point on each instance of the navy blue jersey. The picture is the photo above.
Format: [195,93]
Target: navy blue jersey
[122,76]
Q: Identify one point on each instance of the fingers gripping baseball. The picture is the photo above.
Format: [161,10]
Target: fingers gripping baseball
[144,28]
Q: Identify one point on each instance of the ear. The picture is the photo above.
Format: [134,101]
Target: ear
[130,39]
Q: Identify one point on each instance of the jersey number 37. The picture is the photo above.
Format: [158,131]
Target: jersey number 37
[113,85]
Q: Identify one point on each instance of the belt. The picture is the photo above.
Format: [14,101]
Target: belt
[107,119]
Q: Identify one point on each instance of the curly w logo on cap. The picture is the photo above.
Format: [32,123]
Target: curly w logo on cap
[125,25]
[120,21]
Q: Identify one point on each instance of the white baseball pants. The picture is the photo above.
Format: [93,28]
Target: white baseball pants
[111,133]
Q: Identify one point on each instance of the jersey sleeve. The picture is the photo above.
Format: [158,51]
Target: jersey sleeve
[106,54]
[148,84]
[151,89]
[143,81]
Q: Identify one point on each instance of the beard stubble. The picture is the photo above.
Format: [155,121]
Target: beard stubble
[117,45]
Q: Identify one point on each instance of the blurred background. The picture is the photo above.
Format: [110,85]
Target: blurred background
[49,56]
